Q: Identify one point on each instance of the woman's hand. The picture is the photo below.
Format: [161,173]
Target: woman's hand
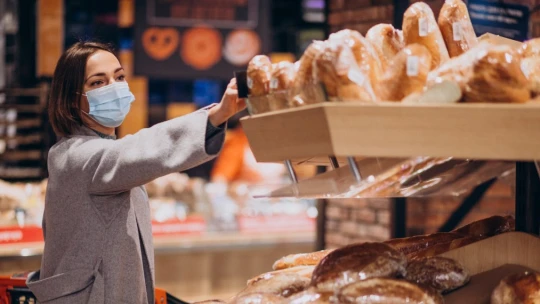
[230,104]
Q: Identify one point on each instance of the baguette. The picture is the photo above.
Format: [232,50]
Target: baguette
[442,248]
[488,227]
[300,259]
[456,27]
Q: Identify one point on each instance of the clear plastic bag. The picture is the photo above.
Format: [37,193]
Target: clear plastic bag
[387,42]
[456,27]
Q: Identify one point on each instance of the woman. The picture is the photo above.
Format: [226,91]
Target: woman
[97,226]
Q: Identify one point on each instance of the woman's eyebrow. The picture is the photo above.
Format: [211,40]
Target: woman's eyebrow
[103,74]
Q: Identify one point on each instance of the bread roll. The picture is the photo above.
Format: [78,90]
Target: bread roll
[442,274]
[364,53]
[407,73]
[357,262]
[258,75]
[385,291]
[456,27]
[300,259]
[420,26]
[387,42]
[337,70]
[521,288]
[530,63]
[486,73]
[311,296]
[284,285]
[257,298]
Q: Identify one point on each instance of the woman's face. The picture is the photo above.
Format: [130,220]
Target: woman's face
[102,68]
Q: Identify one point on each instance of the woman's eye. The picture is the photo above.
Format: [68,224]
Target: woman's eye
[121,78]
[96,83]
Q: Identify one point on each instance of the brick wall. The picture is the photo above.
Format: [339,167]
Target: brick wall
[365,220]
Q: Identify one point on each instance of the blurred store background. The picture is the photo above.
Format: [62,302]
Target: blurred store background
[211,235]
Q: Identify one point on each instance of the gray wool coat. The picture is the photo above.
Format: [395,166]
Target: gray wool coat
[97,225]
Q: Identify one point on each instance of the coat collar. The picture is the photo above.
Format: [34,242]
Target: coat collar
[83,130]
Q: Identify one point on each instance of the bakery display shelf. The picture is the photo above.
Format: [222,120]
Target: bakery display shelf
[477,131]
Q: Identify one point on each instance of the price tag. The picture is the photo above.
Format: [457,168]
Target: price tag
[423,27]
[274,83]
[412,66]
[457,30]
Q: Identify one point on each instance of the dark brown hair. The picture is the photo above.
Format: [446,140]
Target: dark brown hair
[67,86]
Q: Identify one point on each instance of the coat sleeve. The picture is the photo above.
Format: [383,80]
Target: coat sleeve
[115,166]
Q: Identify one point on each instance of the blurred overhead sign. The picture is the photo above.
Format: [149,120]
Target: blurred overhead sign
[509,20]
[198,38]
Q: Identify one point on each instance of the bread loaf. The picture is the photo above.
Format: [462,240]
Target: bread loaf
[387,42]
[420,26]
[300,259]
[521,288]
[357,262]
[407,73]
[413,244]
[284,285]
[486,73]
[257,298]
[442,274]
[258,75]
[306,89]
[441,248]
[304,271]
[365,55]
[282,77]
[337,70]
[530,63]
[456,27]
[311,296]
[488,227]
[384,291]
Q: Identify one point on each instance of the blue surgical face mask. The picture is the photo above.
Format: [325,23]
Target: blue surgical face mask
[110,104]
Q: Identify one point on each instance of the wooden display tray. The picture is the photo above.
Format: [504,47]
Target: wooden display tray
[476,131]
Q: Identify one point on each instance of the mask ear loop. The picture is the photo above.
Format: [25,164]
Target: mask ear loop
[87,114]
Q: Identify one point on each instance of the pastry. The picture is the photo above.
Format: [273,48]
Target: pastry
[160,43]
[521,288]
[301,259]
[311,296]
[240,46]
[442,274]
[337,70]
[420,26]
[364,53]
[386,291]
[456,27]
[387,42]
[306,89]
[486,73]
[357,262]
[407,73]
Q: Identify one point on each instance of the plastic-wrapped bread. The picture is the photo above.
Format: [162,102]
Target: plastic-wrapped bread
[258,75]
[337,70]
[387,42]
[456,27]
[530,63]
[420,26]
[520,288]
[364,53]
[304,74]
[407,73]
[486,73]
[282,76]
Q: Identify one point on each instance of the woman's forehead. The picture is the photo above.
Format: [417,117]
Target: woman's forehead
[101,62]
